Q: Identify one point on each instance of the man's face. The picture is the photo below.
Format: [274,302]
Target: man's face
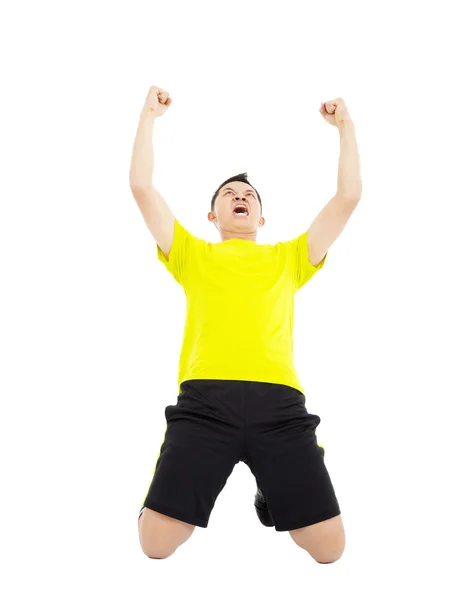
[237,208]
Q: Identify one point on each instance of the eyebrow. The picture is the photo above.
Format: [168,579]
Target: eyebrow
[229,188]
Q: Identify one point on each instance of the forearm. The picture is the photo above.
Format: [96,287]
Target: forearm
[349,174]
[142,155]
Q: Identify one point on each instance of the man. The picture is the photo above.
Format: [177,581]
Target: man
[239,397]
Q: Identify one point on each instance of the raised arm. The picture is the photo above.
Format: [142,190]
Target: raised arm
[157,214]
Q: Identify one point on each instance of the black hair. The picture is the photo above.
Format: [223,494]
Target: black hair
[240,177]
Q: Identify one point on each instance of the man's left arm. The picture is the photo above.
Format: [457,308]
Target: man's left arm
[331,220]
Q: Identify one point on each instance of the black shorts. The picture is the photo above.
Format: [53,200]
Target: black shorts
[214,425]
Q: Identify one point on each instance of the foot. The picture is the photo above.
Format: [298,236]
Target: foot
[262,510]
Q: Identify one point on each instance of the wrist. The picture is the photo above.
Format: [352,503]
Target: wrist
[346,122]
[346,128]
[147,115]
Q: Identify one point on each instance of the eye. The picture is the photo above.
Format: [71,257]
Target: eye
[229,191]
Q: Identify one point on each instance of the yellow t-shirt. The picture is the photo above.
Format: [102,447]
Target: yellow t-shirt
[239,306]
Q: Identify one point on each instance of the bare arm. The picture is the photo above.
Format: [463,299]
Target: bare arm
[332,219]
[155,211]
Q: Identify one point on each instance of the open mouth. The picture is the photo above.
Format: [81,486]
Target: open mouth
[240,211]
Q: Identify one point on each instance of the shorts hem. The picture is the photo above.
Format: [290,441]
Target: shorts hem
[306,521]
[175,514]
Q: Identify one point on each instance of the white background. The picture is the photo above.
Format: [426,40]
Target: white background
[91,322]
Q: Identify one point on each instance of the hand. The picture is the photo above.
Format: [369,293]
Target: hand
[158,101]
[335,111]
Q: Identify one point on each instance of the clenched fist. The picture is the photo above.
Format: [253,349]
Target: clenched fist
[335,111]
[157,102]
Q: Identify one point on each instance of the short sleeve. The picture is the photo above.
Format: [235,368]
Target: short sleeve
[181,248]
[302,268]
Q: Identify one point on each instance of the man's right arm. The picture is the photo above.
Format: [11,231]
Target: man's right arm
[157,214]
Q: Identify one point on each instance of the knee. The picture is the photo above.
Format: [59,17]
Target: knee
[160,535]
[158,548]
[328,560]
[324,541]
[326,557]
[156,553]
